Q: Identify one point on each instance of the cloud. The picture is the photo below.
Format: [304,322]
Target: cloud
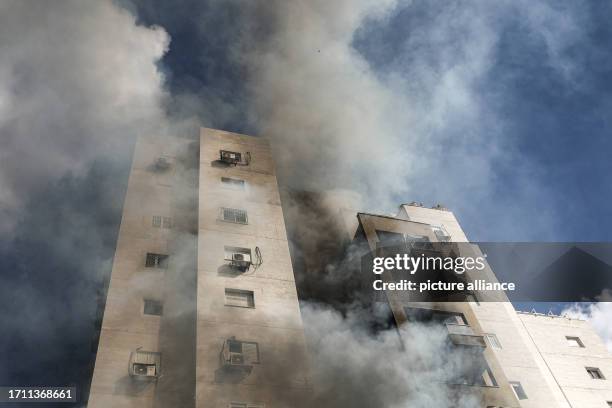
[78,81]
[598,314]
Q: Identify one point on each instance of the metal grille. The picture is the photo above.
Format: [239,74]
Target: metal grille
[493,341]
[157,221]
[234,215]
[156,261]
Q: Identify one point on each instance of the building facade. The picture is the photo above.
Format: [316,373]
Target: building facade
[202,308]
[202,305]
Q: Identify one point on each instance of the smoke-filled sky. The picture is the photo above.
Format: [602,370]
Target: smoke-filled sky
[499,110]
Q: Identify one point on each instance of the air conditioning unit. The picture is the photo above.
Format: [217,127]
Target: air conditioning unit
[161,164]
[238,257]
[239,355]
[144,370]
[229,157]
[241,260]
[144,364]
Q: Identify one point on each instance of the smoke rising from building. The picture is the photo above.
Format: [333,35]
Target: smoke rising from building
[79,81]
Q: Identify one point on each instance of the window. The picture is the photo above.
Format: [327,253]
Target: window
[234,215]
[245,405]
[574,341]
[161,222]
[153,307]
[239,298]
[156,261]
[595,373]
[233,183]
[493,341]
[518,390]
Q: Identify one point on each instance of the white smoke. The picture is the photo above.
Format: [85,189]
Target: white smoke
[354,367]
[419,128]
[598,314]
[78,81]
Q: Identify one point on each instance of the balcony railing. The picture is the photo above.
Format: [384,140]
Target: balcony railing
[462,334]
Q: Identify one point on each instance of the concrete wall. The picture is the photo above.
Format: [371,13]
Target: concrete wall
[281,378]
[151,191]
[568,364]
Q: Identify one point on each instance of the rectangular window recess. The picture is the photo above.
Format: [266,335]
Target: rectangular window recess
[236,184]
[518,390]
[234,215]
[157,221]
[493,341]
[595,373]
[156,260]
[153,307]
[574,341]
[239,298]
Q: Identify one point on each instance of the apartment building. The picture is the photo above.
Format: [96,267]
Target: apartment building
[547,361]
[202,308]
[202,305]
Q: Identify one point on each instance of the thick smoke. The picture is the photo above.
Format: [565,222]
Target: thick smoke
[354,367]
[78,81]
[416,122]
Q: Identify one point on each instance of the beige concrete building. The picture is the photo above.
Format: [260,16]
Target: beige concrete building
[202,308]
[549,361]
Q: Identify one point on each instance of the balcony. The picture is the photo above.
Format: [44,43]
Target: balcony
[463,335]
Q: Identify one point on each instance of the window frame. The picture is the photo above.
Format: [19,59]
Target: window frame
[250,297]
[156,221]
[237,212]
[493,341]
[578,342]
[162,263]
[157,305]
[597,370]
[519,390]
[233,183]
